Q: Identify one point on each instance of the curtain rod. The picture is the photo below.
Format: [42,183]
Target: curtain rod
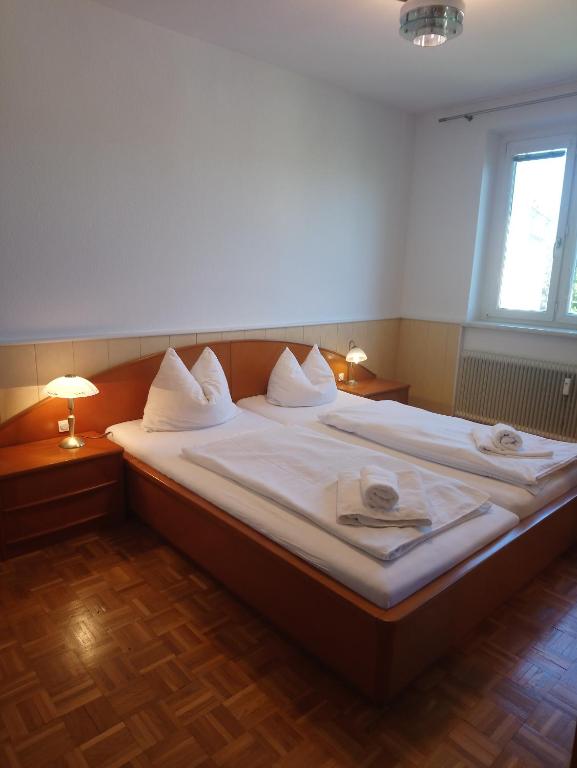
[470,115]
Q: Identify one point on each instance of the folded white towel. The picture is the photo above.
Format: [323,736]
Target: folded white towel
[412,511]
[502,440]
[379,488]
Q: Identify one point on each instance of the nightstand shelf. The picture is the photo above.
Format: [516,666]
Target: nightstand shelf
[378,389]
[48,492]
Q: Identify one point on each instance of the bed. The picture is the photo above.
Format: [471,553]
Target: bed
[384,584]
[346,624]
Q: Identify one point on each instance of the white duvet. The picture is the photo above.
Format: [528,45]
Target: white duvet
[299,469]
[447,440]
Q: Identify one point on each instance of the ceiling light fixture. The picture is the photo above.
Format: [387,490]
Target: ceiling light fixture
[428,24]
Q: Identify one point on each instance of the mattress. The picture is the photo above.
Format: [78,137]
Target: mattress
[512,497]
[384,584]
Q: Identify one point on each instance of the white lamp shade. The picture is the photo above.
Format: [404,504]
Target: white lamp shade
[356,355]
[70,387]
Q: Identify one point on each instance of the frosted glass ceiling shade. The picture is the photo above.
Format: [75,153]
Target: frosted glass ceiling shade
[428,24]
[70,387]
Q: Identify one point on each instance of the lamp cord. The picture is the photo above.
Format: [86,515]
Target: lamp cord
[97,437]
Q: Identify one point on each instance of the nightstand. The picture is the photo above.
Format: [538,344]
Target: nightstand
[48,492]
[378,389]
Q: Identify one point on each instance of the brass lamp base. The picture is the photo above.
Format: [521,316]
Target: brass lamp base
[72,441]
[351,382]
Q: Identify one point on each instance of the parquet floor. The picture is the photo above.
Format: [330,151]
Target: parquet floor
[116,651]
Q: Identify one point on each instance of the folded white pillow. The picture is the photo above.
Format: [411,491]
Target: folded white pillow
[180,399]
[294,386]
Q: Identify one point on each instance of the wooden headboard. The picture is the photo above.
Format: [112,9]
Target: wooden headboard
[124,389]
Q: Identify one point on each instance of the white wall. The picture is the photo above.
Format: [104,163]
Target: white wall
[450,198]
[154,183]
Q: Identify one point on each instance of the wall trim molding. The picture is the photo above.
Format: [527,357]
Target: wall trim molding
[437,319]
[105,336]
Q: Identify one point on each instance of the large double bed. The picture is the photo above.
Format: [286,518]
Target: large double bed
[376,623]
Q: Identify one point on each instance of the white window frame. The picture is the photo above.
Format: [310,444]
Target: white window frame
[569,263]
[565,255]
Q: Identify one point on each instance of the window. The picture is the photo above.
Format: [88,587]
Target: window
[531,274]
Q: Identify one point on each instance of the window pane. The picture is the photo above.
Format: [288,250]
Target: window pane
[532,230]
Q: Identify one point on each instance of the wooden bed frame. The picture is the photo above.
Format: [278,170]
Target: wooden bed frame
[378,651]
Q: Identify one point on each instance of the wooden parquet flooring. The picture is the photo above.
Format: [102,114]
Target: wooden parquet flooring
[116,651]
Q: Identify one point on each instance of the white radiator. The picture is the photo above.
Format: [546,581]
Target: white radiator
[532,395]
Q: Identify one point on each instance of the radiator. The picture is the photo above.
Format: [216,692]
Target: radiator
[532,395]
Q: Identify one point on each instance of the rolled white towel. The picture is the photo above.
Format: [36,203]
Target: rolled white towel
[379,488]
[506,437]
[503,440]
[412,511]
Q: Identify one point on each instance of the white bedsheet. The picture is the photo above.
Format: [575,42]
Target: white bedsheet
[384,584]
[517,500]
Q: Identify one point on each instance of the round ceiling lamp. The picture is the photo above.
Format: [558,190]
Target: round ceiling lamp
[428,24]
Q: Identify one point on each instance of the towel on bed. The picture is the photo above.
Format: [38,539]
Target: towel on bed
[505,441]
[298,469]
[411,511]
[379,488]
[447,440]
[506,437]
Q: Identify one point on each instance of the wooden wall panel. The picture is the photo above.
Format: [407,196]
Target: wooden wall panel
[427,359]
[423,354]
[26,368]
[123,390]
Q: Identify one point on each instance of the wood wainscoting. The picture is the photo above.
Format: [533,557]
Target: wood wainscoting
[26,368]
[428,358]
[123,390]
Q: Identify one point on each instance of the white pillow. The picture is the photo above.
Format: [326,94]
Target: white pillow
[179,399]
[292,386]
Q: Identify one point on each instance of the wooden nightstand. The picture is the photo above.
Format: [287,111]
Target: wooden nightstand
[47,492]
[378,389]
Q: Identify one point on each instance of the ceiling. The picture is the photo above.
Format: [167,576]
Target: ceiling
[508,46]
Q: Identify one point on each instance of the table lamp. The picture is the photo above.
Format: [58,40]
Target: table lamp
[70,387]
[354,355]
